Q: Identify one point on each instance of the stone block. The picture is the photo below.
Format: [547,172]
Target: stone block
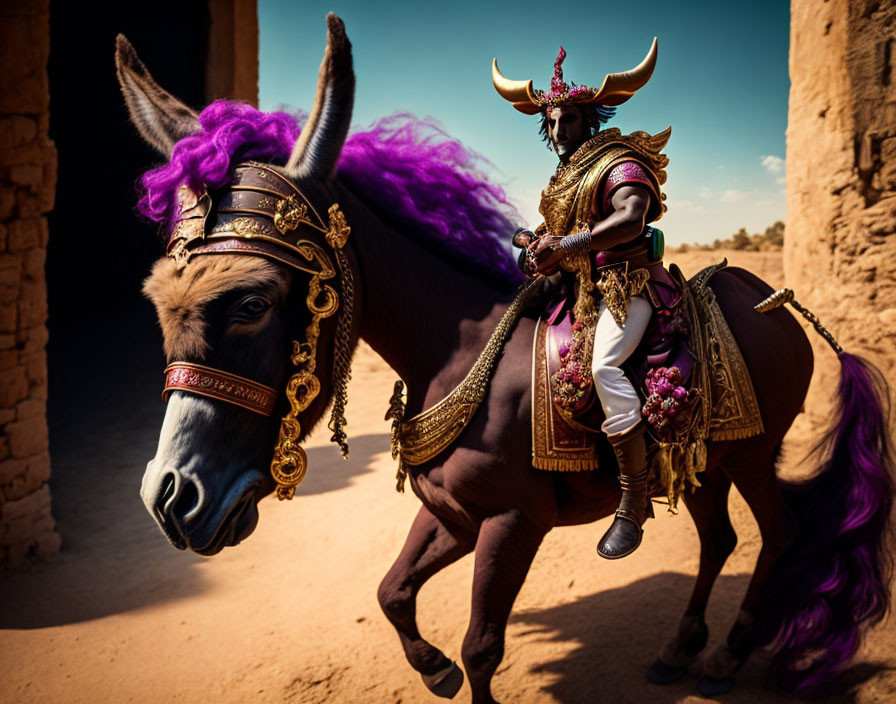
[51,171]
[10,277]
[35,504]
[7,415]
[9,470]
[41,524]
[7,341]
[33,304]
[888,164]
[34,263]
[24,234]
[38,387]
[28,437]
[8,359]
[4,448]
[7,203]
[36,370]
[15,531]
[24,47]
[13,386]
[16,130]
[8,317]
[31,175]
[888,318]
[31,154]
[28,205]
[4,237]
[44,232]
[20,487]
[30,408]
[37,339]
[39,466]
[34,9]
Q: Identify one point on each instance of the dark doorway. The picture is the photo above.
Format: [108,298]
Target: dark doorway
[104,354]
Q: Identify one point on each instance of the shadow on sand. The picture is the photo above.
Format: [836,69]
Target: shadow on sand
[327,471]
[618,632]
[105,414]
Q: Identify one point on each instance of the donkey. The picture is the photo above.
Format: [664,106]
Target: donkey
[427,303]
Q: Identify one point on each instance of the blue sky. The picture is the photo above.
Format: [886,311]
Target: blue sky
[721,82]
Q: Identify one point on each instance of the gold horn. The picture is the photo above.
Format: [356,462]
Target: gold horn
[519,93]
[619,87]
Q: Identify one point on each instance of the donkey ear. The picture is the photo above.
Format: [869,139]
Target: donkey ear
[161,119]
[317,149]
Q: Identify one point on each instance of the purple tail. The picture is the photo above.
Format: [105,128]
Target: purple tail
[833,582]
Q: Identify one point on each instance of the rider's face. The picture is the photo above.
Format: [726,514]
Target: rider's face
[567,130]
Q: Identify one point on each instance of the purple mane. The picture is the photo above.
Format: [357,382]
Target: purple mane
[425,180]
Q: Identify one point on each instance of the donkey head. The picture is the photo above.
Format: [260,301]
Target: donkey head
[245,319]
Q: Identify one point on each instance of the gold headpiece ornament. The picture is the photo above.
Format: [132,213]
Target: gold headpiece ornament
[615,90]
[262,213]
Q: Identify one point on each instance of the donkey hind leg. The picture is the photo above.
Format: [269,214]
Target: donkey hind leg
[778,527]
[504,551]
[708,507]
[431,546]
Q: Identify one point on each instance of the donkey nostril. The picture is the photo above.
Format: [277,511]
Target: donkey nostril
[168,485]
[187,501]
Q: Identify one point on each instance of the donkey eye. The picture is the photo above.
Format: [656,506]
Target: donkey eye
[254,306]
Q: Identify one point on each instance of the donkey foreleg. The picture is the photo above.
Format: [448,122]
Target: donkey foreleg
[708,507]
[431,546]
[505,548]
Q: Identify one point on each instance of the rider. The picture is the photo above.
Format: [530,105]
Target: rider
[596,209]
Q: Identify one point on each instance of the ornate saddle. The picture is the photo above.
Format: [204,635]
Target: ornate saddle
[688,371]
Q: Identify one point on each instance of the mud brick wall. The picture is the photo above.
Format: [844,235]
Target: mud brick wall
[27,189]
[231,69]
[840,249]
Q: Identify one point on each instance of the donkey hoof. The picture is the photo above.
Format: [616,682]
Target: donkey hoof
[712,686]
[661,673]
[445,683]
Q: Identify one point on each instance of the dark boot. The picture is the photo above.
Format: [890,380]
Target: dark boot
[624,536]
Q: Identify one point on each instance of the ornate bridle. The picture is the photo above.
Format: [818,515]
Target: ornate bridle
[262,213]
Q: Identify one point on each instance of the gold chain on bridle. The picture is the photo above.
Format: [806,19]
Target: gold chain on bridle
[258,213]
[290,461]
[343,358]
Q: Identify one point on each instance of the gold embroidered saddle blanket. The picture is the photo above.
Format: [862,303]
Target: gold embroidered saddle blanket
[728,409]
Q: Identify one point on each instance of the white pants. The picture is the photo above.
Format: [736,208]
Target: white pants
[612,346]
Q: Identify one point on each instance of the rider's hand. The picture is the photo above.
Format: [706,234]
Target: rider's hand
[523,237]
[547,254]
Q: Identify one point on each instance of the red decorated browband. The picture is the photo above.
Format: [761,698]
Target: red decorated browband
[196,379]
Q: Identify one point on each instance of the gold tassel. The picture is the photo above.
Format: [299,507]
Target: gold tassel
[664,466]
[396,414]
[400,477]
[698,450]
[679,459]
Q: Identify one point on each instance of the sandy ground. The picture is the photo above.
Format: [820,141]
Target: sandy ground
[291,614]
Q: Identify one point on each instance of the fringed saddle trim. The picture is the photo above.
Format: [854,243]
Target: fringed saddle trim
[563,464]
[728,409]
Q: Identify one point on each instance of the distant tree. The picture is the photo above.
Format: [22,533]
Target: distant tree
[769,241]
[774,235]
[741,240]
